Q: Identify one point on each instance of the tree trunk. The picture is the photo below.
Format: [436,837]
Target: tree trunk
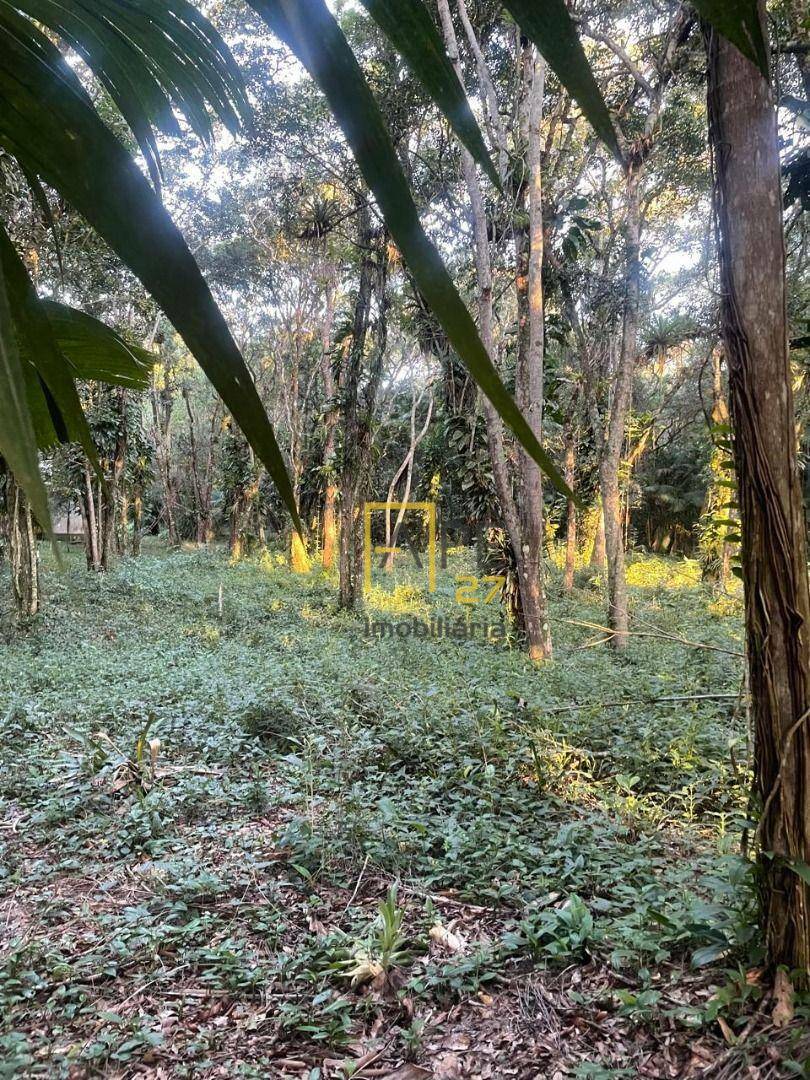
[350,474]
[118,508]
[611,461]
[137,519]
[748,209]
[598,555]
[529,373]
[199,500]
[535,621]
[162,406]
[90,522]
[571,511]
[330,425]
[22,549]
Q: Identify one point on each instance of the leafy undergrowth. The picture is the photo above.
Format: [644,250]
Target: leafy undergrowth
[244,836]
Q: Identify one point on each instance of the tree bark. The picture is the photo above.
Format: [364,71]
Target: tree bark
[611,460]
[22,549]
[529,376]
[118,501]
[90,522]
[748,209]
[529,585]
[571,511]
[162,406]
[598,555]
[330,425]
[349,586]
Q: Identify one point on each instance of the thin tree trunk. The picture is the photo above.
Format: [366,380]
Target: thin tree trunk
[199,504]
[529,374]
[483,267]
[571,511]
[90,522]
[162,406]
[118,502]
[350,473]
[598,554]
[748,207]
[406,469]
[22,549]
[610,464]
[330,424]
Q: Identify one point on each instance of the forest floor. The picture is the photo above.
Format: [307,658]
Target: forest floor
[569,901]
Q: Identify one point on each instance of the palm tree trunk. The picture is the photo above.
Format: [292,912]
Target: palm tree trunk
[748,207]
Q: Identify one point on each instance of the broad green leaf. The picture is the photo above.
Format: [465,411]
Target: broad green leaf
[412,32]
[39,351]
[59,138]
[95,350]
[17,440]
[707,954]
[151,58]
[549,25]
[737,20]
[314,36]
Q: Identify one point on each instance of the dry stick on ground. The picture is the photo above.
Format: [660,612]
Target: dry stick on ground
[654,632]
[722,696]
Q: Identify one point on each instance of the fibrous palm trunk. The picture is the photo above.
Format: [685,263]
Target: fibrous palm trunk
[748,211]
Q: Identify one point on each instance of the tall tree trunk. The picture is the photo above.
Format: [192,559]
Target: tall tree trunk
[90,522]
[610,463]
[406,468]
[350,473]
[118,501]
[571,510]
[494,426]
[199,507]
[22,549]
[330,424]
[529,373]
[748,209]
[162,406]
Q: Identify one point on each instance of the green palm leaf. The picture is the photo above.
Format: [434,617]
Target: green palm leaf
[52,397]
[737,20]
[151,58]
[53,131]
[412,32]
[550,27]
[18,443]
[95,351]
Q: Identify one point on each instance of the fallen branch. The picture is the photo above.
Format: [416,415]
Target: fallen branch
[643,701]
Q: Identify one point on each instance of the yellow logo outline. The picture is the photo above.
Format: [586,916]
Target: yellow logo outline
[369,551]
